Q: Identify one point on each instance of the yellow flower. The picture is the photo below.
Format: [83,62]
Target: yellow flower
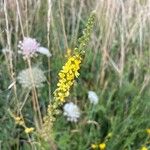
[29,130]
[143,148]
[102,146]
[66,77]
[148,131]
[19,120]
[94,146]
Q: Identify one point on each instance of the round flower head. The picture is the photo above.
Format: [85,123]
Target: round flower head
[92,96]
[29,46]
[29,78]
[71,111]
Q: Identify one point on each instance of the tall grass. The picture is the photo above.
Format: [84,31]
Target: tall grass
[116,66]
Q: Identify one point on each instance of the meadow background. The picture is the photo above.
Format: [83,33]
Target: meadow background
[116,66]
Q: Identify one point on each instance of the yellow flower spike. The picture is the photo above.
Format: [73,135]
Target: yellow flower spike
[148,131]
[144,148]
[67,77]
[102,146]
[29,130]
[94,146]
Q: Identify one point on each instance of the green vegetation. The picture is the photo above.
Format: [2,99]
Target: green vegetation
[115,65]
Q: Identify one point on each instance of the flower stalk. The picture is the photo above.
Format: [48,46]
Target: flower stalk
[67,76]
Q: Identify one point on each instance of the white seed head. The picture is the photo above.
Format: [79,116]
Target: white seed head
[31,77]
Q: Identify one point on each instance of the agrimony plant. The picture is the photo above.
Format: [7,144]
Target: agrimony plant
[67,76]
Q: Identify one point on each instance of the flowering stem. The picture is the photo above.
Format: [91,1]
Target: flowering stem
[35,102]
[67,76]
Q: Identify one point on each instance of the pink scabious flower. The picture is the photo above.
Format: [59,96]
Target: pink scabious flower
[28,46]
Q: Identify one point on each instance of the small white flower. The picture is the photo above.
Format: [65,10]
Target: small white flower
[72,112]
[44,51]
[92,96]
[29,78]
